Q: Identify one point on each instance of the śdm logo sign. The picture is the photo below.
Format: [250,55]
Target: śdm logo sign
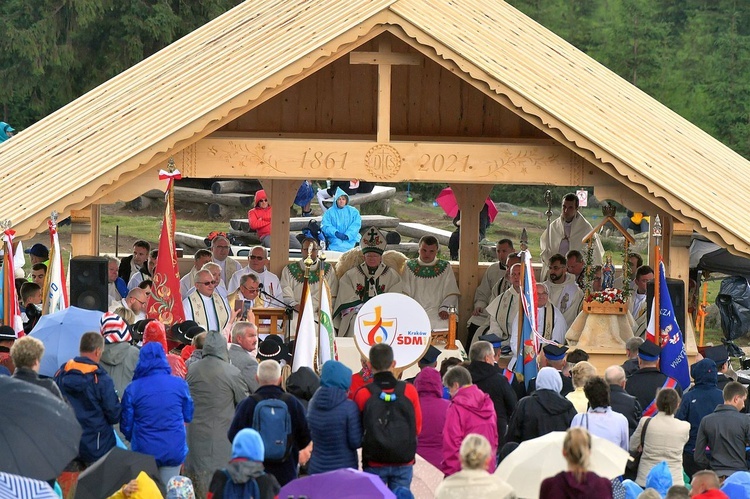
[395,320]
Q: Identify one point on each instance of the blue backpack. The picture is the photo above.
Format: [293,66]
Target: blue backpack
[272,420]
[247,490]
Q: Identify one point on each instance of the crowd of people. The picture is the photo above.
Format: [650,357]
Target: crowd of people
[223,414]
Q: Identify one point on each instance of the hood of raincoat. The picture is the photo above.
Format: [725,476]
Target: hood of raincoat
[428,382]
[152,360]
[216,346]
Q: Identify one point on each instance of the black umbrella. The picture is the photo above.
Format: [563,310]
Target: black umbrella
[39,433]
[113,470]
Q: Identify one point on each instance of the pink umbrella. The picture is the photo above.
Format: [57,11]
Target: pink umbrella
[447,201]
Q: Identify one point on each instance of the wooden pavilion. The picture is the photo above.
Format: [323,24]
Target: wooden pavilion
[464,92]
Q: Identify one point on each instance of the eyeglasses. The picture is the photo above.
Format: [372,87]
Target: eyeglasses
[141,302]
[206,283]
[263,201]
[253,257]
[250,290]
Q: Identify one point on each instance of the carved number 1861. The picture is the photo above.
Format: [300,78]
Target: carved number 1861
[440,162]
[330,161]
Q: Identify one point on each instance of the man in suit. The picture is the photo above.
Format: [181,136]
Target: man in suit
[131,264]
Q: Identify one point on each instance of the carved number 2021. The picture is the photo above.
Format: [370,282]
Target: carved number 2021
[440,162]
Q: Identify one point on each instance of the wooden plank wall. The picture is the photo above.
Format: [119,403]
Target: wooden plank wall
[427,101]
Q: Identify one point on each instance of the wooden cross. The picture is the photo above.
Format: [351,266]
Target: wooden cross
[384,58]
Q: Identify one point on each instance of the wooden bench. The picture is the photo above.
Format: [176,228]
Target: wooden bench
[379,192]
[297,224]
[417,230]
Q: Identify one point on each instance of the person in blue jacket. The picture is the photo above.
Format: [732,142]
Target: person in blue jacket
[6,131]
[155,408]
[697,403]
[341,224]
[87,387]
[334,421]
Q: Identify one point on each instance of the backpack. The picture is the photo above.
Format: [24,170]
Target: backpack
[247,490]
[272,420]
[390,427]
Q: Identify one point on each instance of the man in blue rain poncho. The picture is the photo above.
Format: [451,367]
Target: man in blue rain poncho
[6,131]
[341,224]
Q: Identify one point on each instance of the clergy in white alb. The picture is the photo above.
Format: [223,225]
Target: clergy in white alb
[207,307]
[432,283]
[257,260]
[564,292]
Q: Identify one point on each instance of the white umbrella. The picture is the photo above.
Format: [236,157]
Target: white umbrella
[540,458]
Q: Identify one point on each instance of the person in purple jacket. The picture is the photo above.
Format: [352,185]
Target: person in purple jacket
[470,411]
[577,482]
[434,407]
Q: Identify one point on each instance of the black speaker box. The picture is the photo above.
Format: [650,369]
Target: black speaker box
[677,293]
[88,282]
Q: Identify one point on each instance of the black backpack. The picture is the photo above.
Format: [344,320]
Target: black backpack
[390,427]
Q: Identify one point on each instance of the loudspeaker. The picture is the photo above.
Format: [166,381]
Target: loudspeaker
[677,293]
[88,282]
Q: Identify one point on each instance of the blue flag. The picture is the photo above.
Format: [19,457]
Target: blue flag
[674,360]
[526,363]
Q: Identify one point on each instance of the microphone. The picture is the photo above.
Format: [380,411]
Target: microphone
[260,286]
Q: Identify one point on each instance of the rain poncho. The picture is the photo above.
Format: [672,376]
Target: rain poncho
[339,222]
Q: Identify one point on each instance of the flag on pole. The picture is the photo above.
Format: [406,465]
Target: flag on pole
[526,364]
[55,293]
[673,358]
[11,310]
[326,344]
[165,302]
[304,346]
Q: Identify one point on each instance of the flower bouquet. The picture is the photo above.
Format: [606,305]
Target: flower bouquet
[608,301]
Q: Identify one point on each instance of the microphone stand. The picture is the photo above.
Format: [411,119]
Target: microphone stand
[288,309]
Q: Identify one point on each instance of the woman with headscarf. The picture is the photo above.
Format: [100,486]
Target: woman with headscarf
[543,411]
[577,482]
[334,421]
[245,476]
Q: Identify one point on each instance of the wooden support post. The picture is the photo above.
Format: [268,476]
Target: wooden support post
[281,196]
[679,256]
[471,198]
[84,231]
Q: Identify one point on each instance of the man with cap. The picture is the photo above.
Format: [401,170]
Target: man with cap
[554,356]
[119,357]
[503,364]
[429,359]
[720,356]
[631,349]
[486,291]
[38,254]
[644,383]
[7,338]
[489,378]
[367,280]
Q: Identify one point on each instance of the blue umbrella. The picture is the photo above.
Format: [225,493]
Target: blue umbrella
[61,334]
